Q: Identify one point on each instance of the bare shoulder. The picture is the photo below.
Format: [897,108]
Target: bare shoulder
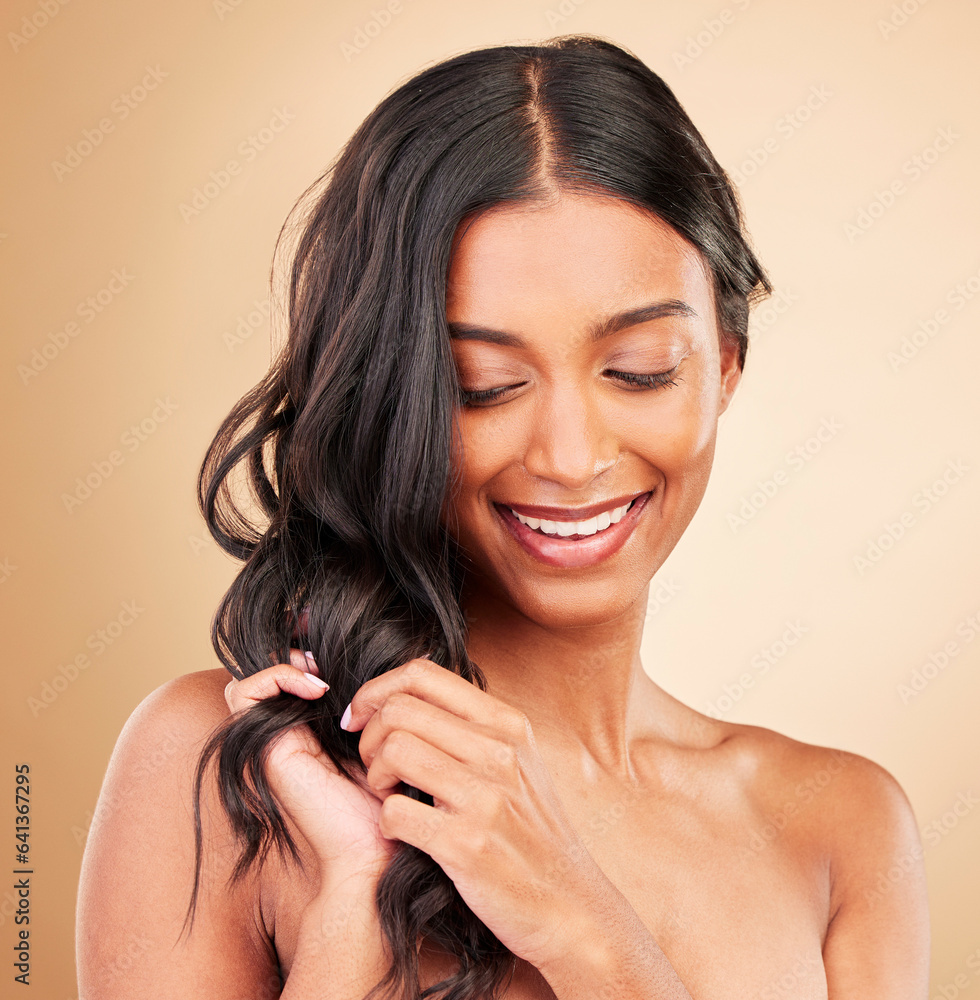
[854,792]
[850,813]
[139,865]
[194,700]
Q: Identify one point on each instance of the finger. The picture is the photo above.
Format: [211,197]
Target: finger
[438,686]
[406,757]
[301,659]
[243,694]
[465,741]
[406,819]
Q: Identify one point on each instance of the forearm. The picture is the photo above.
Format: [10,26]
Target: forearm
[340,949]
[610,952]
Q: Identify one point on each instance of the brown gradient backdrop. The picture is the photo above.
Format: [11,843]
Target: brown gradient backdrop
[133,559]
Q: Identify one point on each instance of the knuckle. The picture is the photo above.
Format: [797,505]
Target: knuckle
[418,667]
[431,826]
[395,705]
[388,818]
[395,746]
[473,841]
[373,776]
[505,755]
[522,726]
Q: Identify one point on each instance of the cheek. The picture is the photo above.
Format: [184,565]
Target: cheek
[484,443]
[674,435]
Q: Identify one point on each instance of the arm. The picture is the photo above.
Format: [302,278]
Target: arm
[877,942]
[138,868]
[608,951]
[340,942]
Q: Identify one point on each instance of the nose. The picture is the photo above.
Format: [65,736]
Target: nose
[571,442]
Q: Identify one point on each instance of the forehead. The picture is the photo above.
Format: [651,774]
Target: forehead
[578,250]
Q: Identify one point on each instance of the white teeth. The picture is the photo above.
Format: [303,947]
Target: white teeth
[565,528]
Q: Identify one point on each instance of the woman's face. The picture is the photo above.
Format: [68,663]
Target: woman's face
[584,333]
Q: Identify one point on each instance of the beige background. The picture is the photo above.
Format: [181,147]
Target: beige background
[879,95]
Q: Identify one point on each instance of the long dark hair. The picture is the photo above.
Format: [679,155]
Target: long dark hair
[346,440]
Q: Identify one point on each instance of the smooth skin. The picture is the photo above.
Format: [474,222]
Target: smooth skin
[613,838]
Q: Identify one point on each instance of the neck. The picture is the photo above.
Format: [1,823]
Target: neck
[583,688]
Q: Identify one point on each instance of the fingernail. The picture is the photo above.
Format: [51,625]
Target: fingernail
[309,656]
[345,718]
[318,681]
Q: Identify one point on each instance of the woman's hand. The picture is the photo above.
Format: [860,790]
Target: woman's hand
[496,826]
[337,818]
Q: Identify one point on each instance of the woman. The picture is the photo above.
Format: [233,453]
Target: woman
[517,309]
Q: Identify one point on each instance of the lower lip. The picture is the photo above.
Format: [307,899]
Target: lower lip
[571,553]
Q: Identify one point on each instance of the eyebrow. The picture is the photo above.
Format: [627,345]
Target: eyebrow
[596,331]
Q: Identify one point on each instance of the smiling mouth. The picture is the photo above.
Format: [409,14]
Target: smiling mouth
[575,530]
[573,544]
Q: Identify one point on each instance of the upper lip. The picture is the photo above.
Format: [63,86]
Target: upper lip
[572,513]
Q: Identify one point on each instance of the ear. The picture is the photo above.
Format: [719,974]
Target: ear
[731,372]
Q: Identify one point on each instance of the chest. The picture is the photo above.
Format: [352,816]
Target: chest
[738,905]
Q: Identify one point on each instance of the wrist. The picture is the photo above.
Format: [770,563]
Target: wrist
[340,942]
[344,909]
[579,948]
[604,946]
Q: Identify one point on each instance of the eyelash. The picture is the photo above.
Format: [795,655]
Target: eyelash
[656,380]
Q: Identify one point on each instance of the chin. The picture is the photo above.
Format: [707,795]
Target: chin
[562,604]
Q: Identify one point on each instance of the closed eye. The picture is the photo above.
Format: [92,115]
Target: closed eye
[636,380]
[479,396]
[656,380]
